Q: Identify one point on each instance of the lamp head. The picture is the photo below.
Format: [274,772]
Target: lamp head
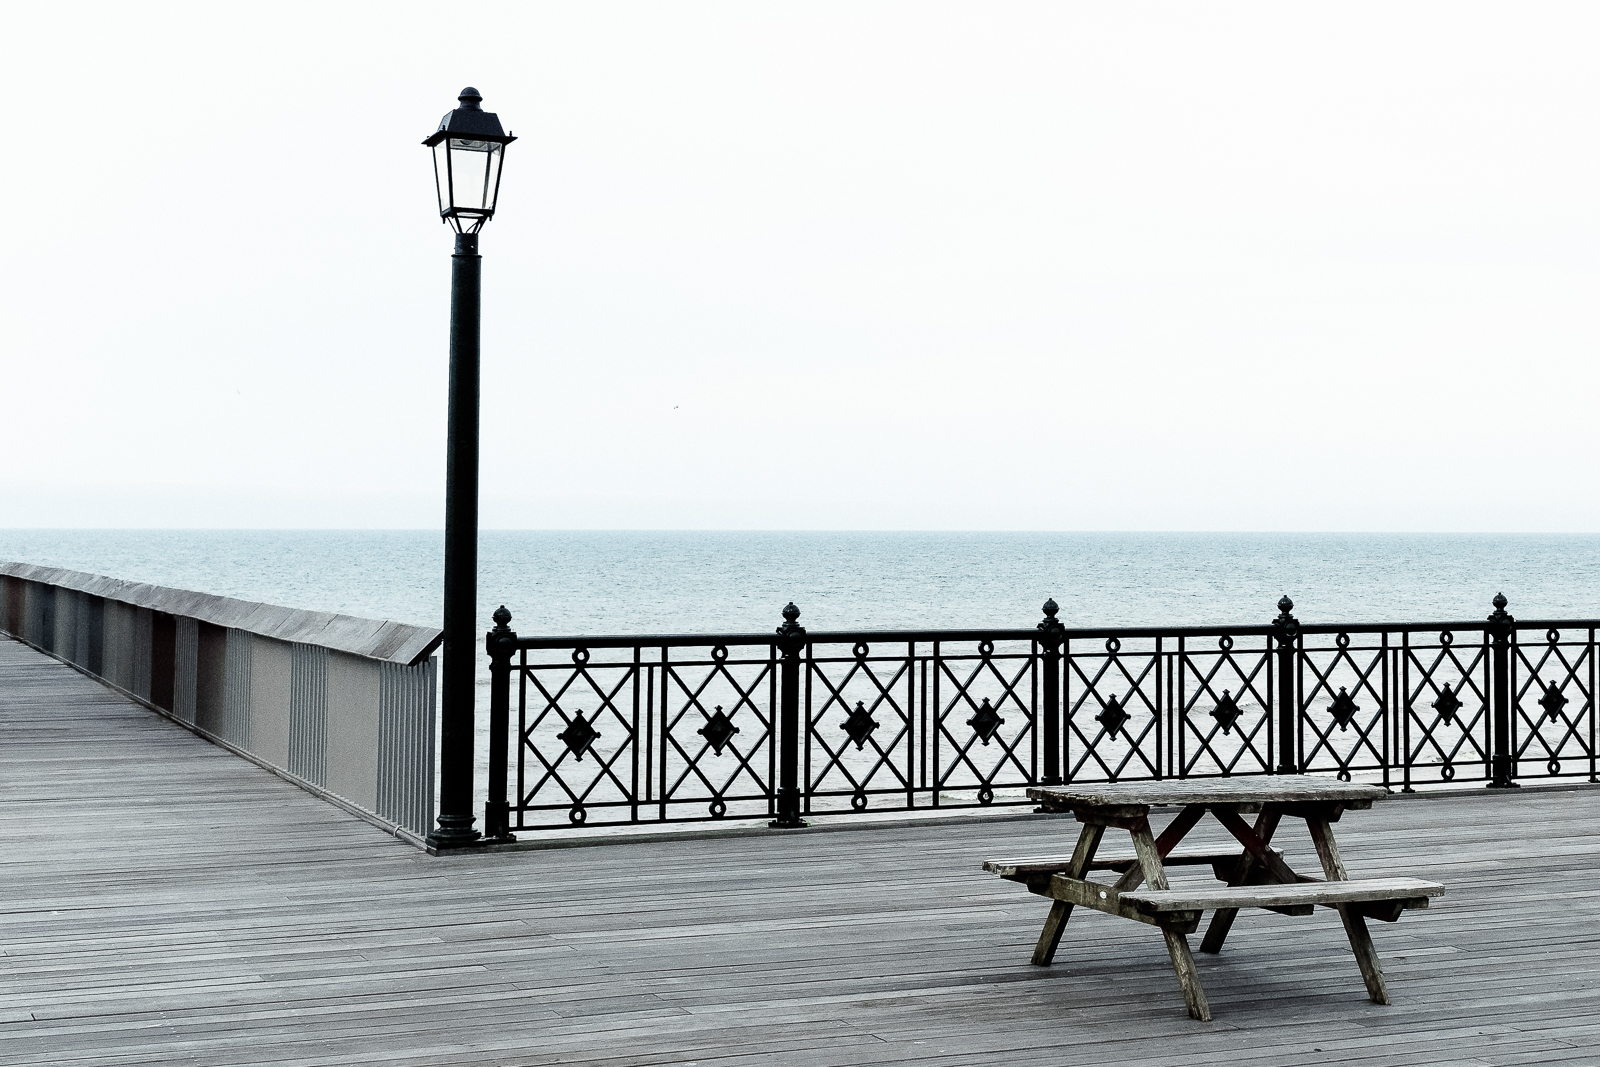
[468,151]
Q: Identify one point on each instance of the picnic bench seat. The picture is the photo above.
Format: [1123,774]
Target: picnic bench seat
[1222,864]
[1380,898]
[1411,893]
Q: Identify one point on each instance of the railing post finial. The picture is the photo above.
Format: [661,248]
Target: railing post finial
[1050,626]
[791,640]
[1285,629]
[1051,635]
[1501,623]
[501,644]
[1285,621]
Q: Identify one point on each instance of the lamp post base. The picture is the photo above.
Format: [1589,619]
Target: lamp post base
[453,831]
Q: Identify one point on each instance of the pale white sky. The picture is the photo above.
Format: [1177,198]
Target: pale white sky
[1193,266]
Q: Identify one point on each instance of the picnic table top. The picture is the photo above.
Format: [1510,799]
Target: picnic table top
[1263,789]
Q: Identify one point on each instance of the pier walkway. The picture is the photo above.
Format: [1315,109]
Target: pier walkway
[164,902]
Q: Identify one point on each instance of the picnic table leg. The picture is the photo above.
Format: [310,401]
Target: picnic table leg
[1155,876]
[1222,918]
[1355,923]
[1060,910]
[1174,833]
[1188,977]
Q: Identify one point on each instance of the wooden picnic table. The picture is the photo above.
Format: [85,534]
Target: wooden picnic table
[1255,877]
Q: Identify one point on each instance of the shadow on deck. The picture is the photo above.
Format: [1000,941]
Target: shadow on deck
[165,902]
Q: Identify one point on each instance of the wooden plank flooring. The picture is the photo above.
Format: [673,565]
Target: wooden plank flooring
[163,902]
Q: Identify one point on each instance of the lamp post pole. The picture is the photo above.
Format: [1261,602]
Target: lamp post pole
[456,691]
[468,150]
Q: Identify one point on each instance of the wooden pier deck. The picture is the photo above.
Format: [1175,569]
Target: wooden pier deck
[163,902]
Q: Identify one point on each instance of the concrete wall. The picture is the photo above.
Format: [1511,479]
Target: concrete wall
[343,705]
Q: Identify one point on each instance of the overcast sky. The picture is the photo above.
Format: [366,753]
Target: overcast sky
[1187,266]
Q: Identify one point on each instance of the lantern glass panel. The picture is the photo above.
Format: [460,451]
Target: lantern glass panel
[441,175]
[475,172]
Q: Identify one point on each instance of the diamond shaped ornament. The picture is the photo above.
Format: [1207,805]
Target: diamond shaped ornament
[986,722]
[1226,712]
[1447,705]
[1343,708]
[1552,702]
[718,730]
[1113,718]
[859,725]
[579,735]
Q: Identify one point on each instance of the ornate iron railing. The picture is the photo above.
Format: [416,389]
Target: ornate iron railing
[676,728]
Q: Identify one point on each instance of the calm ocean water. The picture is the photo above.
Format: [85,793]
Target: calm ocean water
[574,582]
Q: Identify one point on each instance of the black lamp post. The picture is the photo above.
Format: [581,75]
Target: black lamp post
[468,149]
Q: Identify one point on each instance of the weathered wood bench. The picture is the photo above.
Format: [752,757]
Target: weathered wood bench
[1254,877]
[1394,894]
[1222,864]
[1377,898]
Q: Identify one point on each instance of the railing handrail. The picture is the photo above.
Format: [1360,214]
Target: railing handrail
[380,639]
[835,637]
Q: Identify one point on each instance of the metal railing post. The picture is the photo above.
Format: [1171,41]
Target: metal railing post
[501,645]
[1500,761]
[1285,629]
[791,640]
[1051,634]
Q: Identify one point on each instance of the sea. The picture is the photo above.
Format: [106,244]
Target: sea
[560,582]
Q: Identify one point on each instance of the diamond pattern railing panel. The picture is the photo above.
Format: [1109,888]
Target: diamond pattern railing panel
[861,734]
[983,702]
[1224,698]
[1553,680]
[1344,704]
[717,733]
[691,728]
[578,739]
[1114,719]
[1444,682]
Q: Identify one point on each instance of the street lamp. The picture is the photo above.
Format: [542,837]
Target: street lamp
[468,150]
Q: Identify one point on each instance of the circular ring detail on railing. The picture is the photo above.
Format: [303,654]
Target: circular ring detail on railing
[580,656]
[719,653]
[1448,771]
[1552,635]
[1447,639]
[578,815]
[985,648]
[861,650]
[1344,774]
[718,808]
[859,801]
[1342,640]
[1225,643]
[1554,766]
[1113,645]
[985,795]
